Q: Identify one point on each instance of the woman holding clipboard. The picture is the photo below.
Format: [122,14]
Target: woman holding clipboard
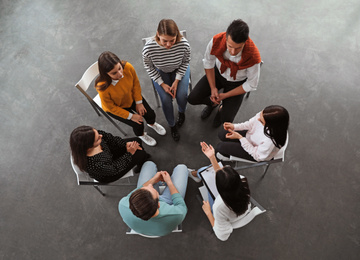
[233,201]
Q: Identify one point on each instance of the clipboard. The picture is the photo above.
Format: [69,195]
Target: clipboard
[208,177]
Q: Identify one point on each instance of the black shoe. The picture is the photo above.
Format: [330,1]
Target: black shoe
[175,134]
[181,119]
[207,111]
[137,169]
[217,120]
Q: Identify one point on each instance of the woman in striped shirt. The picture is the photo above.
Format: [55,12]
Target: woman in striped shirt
[166,58]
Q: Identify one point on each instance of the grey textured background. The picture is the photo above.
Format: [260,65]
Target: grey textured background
[311,53]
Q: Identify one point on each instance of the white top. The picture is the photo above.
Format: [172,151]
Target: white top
[226,219]
[176,58]
[256,143]
[252,74]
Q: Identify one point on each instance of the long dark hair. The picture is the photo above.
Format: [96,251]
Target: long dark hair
[81,139]
[276,124]
[106,62]
[233,190]
[168,27]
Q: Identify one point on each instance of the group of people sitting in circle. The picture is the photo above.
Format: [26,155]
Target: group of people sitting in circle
[232,64]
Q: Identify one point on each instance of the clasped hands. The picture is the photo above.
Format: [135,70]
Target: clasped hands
[171,90]
[232,134]
[217,97]
[132,147]
[163,176]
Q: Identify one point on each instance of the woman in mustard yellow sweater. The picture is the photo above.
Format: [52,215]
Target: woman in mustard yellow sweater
[120,93]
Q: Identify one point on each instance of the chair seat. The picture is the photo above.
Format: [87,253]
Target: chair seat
[97,100]
[130,231]
[83,178]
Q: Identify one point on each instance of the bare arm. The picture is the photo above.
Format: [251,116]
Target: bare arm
[207,209]
[169,183]
[210,75]
[157,177]
[209,151]
[234,92]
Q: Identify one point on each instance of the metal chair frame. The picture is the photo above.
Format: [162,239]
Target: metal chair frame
[88,77]
[279,157]
[83,178]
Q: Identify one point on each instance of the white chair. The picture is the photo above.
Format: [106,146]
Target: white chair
[130,231]
[83,178]
[256,208]
[178,228]
[279,157]
[88,77]
[144,40]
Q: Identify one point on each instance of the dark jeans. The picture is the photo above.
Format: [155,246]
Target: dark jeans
[137,128]
[202,92]
[232,146]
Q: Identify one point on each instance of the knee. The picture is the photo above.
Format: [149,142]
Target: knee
[222,135]
[149,166]
[191,99]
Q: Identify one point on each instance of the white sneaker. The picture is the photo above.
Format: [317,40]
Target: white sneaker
[147,139]
[197,179]
[158,128]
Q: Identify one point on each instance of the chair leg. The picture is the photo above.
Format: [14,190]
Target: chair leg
[254,202]
[156,95]
[113,122]
[94,107]
[98,189]
[190,84]
[267,167]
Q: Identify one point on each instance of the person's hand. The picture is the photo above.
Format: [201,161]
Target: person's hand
[137,118]
[173,88]
[131,147]
[140,109]
[221,97]
[233,135]
[167,89]
[208,150]
[157,177]
[166,177]
[228,126]
[206,207]
[214,96]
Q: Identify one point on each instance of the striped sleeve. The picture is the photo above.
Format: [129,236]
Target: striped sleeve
[176,58]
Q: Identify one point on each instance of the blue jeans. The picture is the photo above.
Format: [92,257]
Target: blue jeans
[210,198]
[181,94]
[179,177]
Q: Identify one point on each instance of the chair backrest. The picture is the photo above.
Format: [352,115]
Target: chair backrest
[146,39]
[281,152]
[89,75]
[84,178]
[249,217]
[280,155]
[81,177]
[256,209]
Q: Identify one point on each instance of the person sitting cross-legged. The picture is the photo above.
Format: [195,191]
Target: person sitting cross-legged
[146,211]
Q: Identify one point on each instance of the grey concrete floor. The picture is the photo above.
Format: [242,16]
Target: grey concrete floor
[311,51]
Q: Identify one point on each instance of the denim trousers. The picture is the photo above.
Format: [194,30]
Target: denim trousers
[179,178]
[181,94]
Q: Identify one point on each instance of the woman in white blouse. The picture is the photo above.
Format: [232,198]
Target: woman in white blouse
[233,202]
[258,139]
